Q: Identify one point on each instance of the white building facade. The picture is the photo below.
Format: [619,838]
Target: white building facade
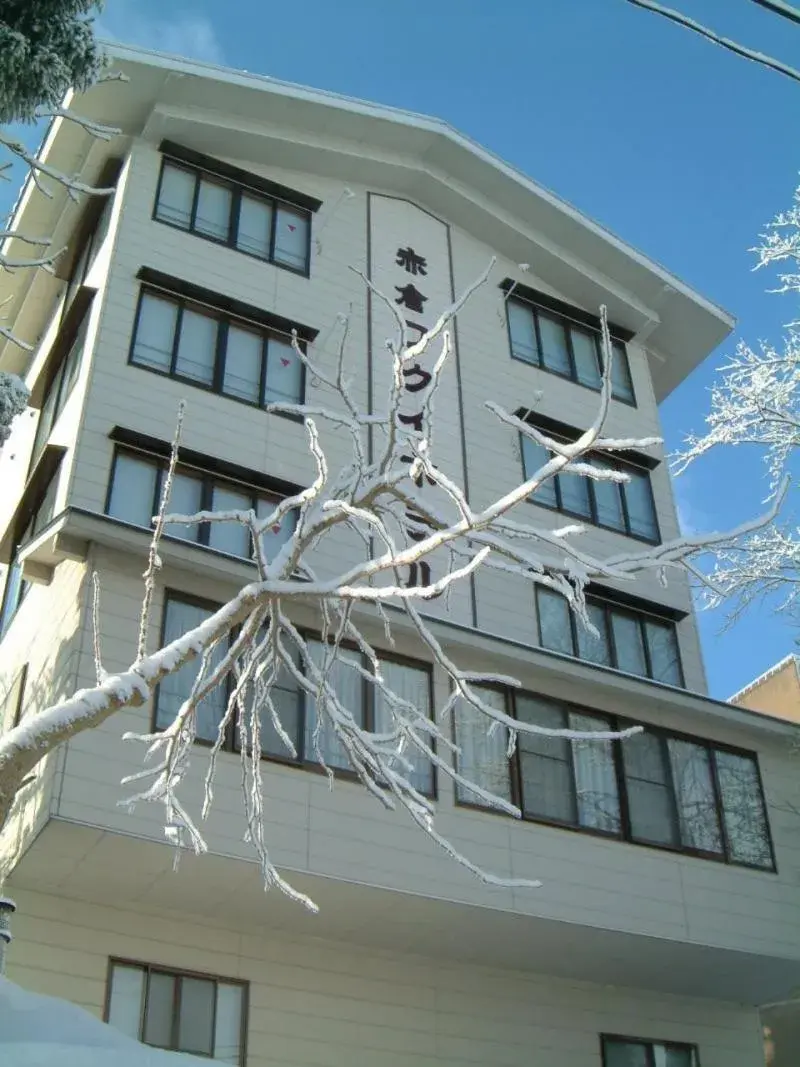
[670,905]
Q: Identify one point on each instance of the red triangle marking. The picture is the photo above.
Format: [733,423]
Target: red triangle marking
[292,228]
[285,361]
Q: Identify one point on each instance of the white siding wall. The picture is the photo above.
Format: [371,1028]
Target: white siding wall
[45,636]
[322,1003]
[630,887]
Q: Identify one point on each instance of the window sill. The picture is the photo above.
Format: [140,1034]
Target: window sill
[221,242]
[595,525]
[194,384]
[585,831]
[574,381]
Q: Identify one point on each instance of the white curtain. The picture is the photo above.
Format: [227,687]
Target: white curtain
[231,537]
[133,490]
[483,759]
[175,688]
[413,685]
[284,372]
[244,354]
[595,776]
[743,808]
[694,793]
[523,331]
[213,210]
[348,685]
[255,226]
[176,195]
[155,332]
[291,238]
[197,347]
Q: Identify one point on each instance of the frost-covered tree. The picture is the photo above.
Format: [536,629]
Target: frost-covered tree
[46,48]
[413,535]
[47,51]
[756,402]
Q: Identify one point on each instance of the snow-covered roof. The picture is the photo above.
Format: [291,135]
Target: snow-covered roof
[791,660]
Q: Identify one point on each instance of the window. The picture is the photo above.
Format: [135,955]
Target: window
[232,214]
[557,343]
[135,493]
[631,1052]
[59,389]
[89,241]
[211,349]
[178,1010]
[627,639]
[16,588]
[11,704]
[654,788]
[314,739]
[628,506]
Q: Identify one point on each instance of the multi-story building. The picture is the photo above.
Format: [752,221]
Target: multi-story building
[668,911]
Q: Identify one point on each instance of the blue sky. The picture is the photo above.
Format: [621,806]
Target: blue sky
[680,148]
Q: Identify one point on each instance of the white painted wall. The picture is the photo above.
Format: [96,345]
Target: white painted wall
[328,1003]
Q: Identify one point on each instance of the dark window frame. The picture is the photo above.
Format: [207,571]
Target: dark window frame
[608,606]
[71,339]
[613,463]
[84,249]
[179,973]
[648,1043]
[209,479]
[219,174]
[368,699]
[567,316]
[28,518]
[224,320]
[625,835]
[14,698]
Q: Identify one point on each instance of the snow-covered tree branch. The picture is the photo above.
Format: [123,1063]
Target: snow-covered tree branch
[401,510]
[756,402]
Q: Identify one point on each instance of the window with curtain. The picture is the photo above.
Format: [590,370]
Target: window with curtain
[632,1052]
[178,1010]
[623,638]
[627,507]
[135,492]
[558,344]
[653,788]
[229,213]
[312,734]
[482,757]
[211,349]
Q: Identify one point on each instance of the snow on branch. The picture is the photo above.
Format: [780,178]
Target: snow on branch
[403,510]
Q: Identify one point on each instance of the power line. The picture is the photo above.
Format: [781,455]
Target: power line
[724,42]
[779,7]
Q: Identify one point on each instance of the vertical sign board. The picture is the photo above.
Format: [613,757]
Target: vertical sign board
[409,262]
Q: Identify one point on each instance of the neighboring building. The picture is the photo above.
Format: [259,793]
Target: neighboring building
[668,911]
[776,691]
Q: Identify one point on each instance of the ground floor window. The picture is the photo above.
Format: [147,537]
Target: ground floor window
[178,1010]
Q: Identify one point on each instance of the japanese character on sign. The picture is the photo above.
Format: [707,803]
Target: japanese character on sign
[414,264]
[410,297]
